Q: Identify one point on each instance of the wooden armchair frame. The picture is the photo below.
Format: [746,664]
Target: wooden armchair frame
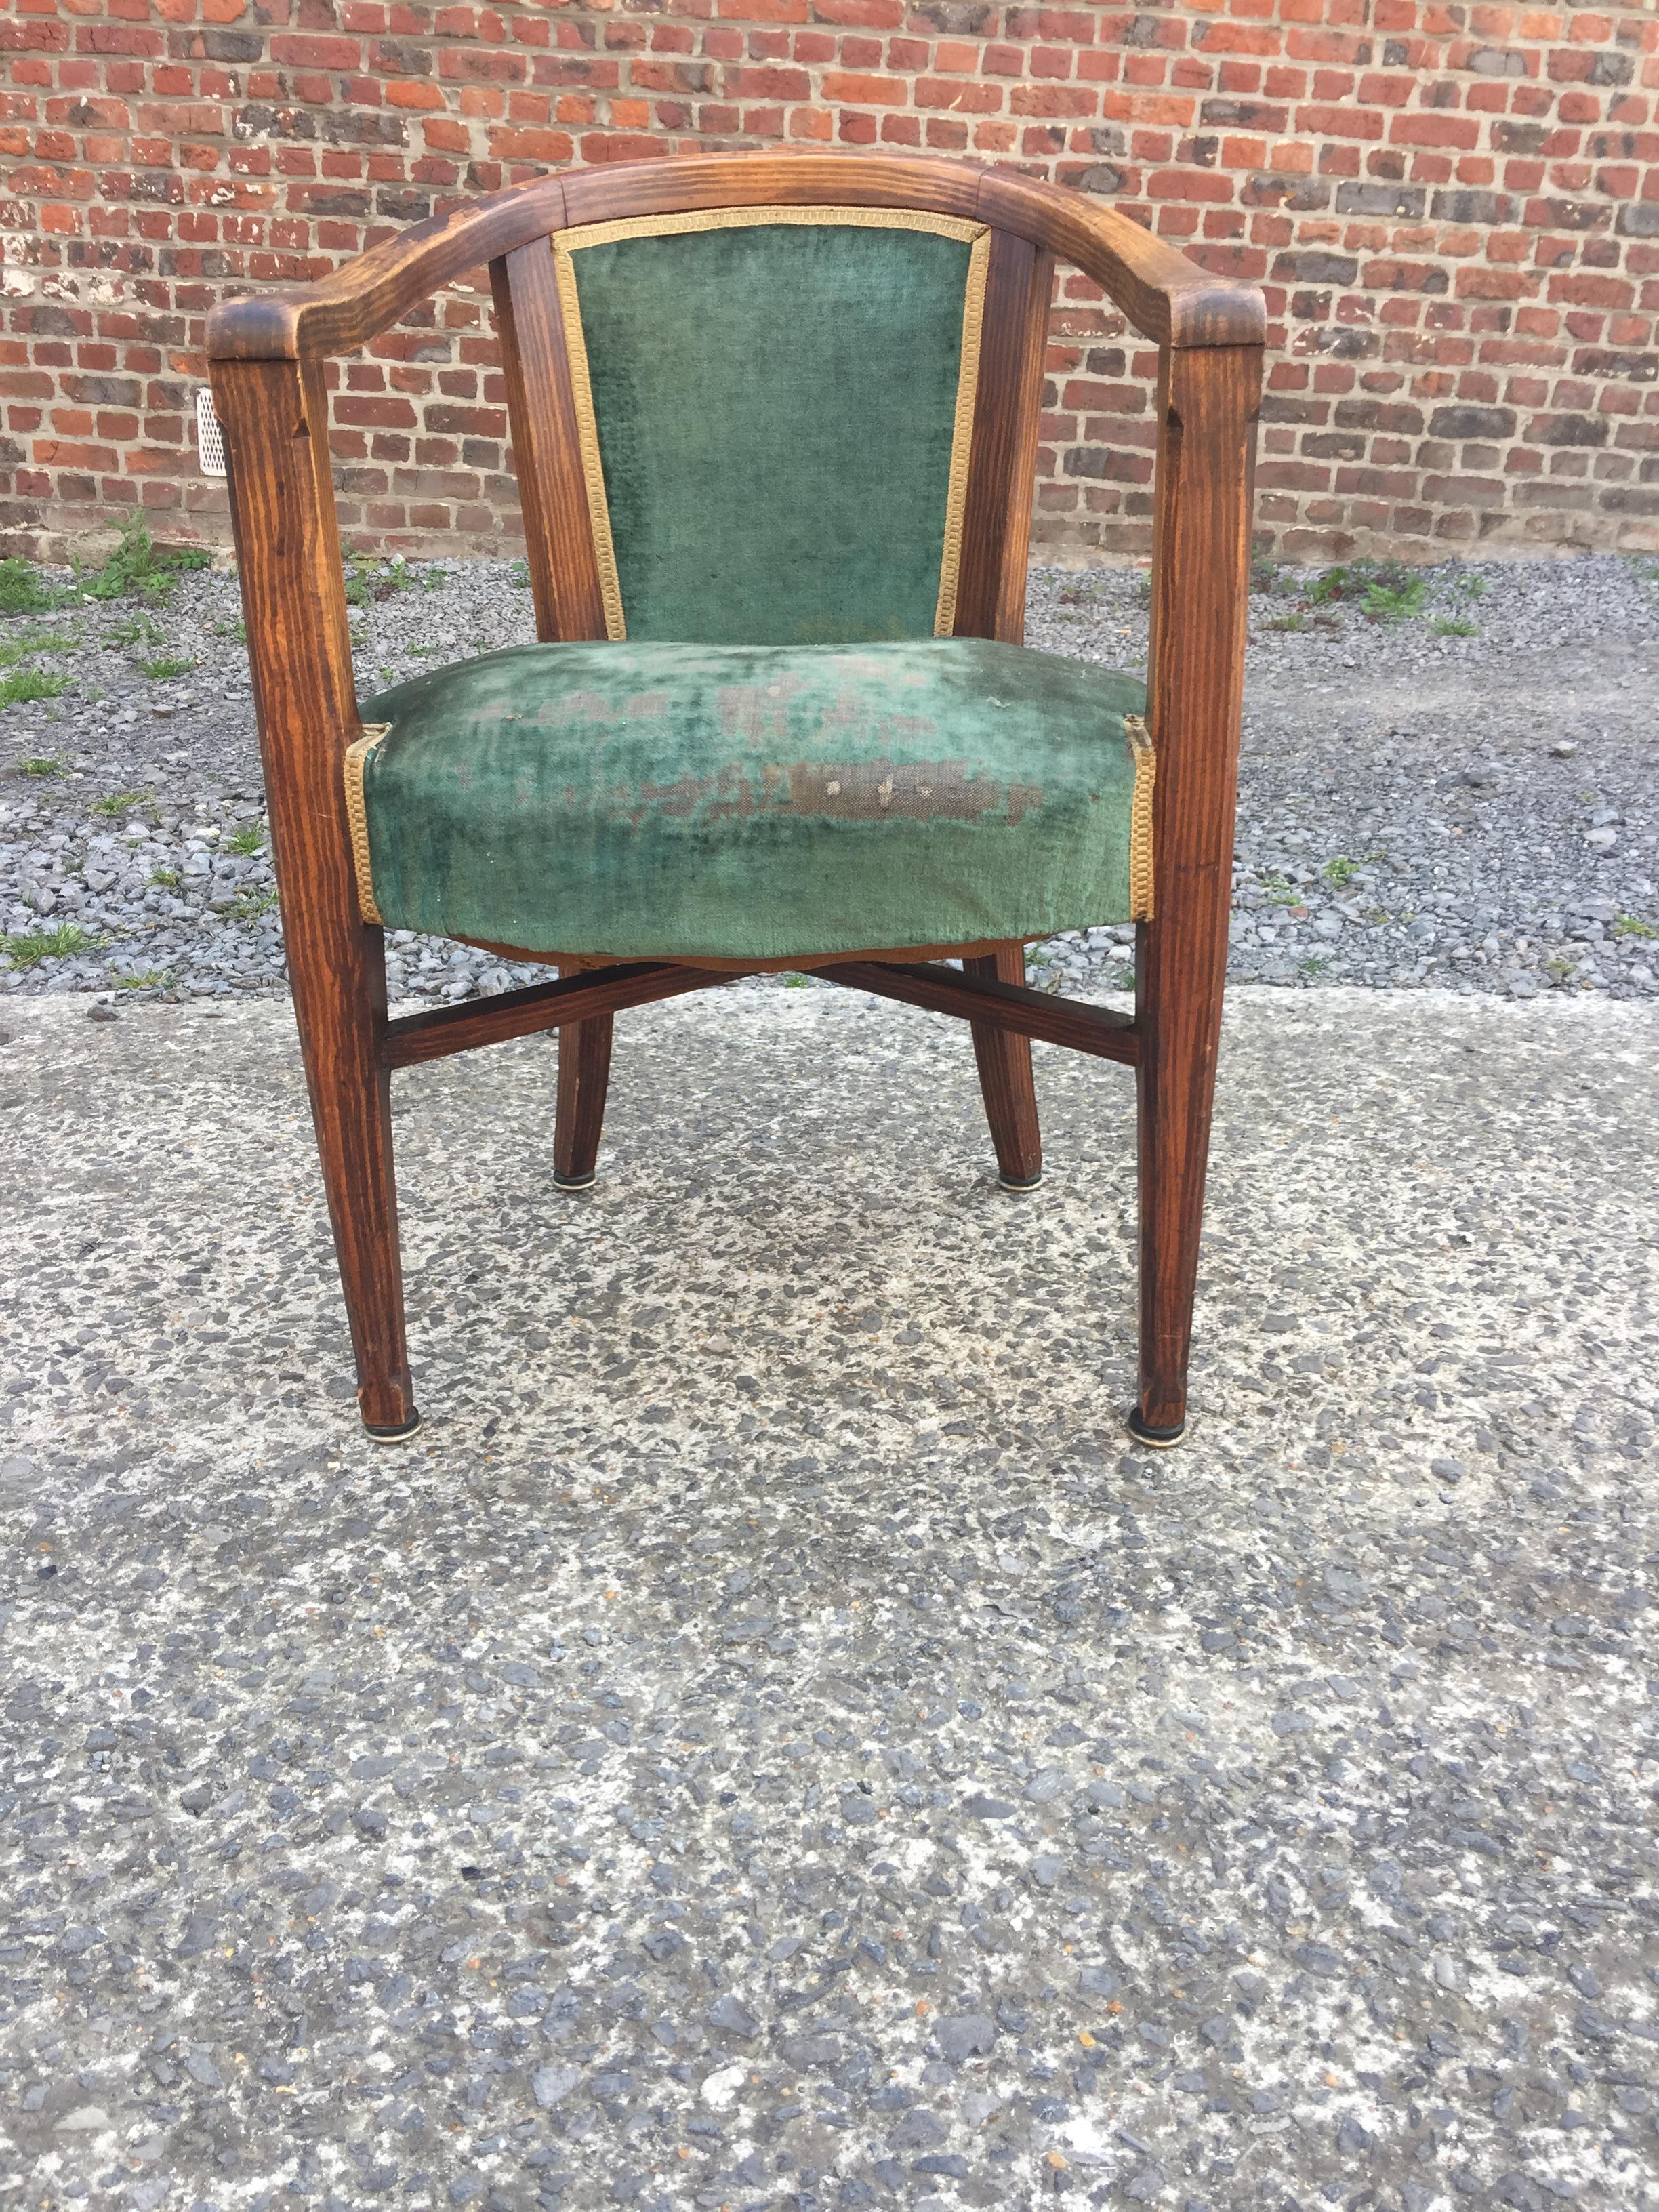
[267,355]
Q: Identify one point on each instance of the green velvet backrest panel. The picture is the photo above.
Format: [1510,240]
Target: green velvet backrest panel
[776,408]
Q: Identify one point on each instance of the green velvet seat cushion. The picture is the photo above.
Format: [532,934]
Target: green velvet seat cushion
[752,802]
[775,407]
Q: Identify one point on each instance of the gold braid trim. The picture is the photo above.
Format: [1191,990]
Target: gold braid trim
[587,435]
[962,436]
[977,235]
[356,760]
[1141,819]
[960,227]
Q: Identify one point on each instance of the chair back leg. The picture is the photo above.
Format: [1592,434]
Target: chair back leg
[584,1079]
[1005,1079]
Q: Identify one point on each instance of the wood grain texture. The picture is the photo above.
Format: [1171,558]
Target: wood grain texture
[275,419]
[1005,1081]
[996,535]
[349,307]
[584,1082]
[1097,1030]
[1169,297]
[579,998]
[565,574]
[1207,404]
[799,179]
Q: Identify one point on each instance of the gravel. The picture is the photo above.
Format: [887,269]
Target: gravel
[769,1742]
[1476,813]
[1471,813]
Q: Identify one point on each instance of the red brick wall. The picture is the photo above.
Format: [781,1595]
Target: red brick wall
[1454,209]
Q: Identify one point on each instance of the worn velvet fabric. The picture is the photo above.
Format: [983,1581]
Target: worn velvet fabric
[776,406]
[752,802]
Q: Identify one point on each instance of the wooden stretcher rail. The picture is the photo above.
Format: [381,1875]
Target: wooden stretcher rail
[415,1037]
[1094,1029]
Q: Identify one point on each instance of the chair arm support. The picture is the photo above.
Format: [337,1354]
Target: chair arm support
[275,418]
[1169,298]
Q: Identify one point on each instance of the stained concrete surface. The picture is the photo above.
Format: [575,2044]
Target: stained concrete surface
[770,1741]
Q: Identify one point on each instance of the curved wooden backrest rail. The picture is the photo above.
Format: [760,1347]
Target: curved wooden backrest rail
[1169,298]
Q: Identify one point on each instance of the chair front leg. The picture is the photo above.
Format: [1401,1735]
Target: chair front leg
[1208,400]
[1180,1028]
[340,1005]
[275,418]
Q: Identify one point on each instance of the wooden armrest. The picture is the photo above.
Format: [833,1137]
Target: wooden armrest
[1164,293]
[351,305]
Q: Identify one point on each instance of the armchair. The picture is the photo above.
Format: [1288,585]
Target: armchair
[774,420]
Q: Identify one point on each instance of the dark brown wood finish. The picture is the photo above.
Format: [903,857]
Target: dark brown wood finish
[351,305]
[589,994]
[1170,299]
[565,574]
[276,420]
[1094,1029]
[799,179]
[996,534]
[269,391]
[1166,296]
[1005,1076]
[584,1081]
[1207,404]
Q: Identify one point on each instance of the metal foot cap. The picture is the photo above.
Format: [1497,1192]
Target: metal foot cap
[1144,1432]
[575,1182]
[1017,1187]
[382,1432]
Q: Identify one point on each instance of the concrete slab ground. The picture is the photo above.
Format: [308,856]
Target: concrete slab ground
[769,1741]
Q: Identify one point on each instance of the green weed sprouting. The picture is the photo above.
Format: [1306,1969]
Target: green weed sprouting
[139,568]
[14,649]
[29,949]
[27,685]
[23,590]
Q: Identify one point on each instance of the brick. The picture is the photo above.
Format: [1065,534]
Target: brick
[866,90]
[1472,207]
[1577,430]
[1463,422]
[1380,199]
[1316,267]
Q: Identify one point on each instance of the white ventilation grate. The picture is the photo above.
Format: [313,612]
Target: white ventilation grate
[210,439]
